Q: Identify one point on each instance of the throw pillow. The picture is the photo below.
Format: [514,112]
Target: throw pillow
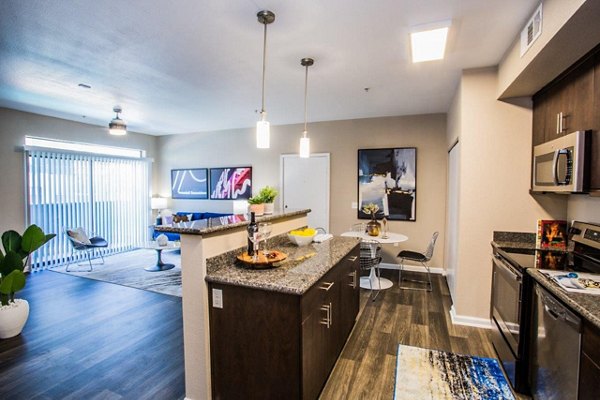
[79,235]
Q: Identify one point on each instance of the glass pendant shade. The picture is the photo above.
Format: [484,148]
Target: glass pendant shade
[117,126]
[263,134]
[304,147]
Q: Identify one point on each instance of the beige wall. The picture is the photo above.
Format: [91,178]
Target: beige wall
[15,125]
[341,139]
[495,140]
[583,208]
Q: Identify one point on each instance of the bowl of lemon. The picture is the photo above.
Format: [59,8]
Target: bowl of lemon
[302,237]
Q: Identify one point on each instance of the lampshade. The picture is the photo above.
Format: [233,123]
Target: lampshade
[158,203]
[263,134]
[117,126]
[304,147]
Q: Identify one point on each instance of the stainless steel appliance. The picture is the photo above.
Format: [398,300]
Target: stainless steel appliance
[562,165]
[556,349]
[512,296]
[508,314]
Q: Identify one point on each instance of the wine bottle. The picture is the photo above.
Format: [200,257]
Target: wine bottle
[252,230]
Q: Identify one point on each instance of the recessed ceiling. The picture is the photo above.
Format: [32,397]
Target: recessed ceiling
[193,66]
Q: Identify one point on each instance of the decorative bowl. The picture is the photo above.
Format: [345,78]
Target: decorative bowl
[301,240]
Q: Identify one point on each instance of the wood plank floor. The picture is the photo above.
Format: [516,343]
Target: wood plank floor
[87,339]
[366,367]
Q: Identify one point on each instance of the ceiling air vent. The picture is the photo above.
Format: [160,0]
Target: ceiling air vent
[532,30]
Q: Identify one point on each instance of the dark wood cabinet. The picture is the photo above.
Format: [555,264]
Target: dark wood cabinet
[565,106]
[589,370]
[271,345]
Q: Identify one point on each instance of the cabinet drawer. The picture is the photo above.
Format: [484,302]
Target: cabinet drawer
[319,293]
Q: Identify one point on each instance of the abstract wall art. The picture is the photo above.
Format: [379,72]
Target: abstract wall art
[388,178]
[230,183]
[189,183]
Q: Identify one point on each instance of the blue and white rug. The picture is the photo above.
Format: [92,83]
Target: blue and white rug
[431,374]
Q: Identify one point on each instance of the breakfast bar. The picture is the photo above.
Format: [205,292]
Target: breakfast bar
[201,240]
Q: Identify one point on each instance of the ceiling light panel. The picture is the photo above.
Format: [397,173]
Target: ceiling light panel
[428,45]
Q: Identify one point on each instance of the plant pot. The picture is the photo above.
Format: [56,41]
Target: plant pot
[373,228]
[269,208]
[257,209]
[13,318]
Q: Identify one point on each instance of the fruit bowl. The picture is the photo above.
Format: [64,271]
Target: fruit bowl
[302,237]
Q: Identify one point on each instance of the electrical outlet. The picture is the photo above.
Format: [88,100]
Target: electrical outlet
[354,205]
[217,295]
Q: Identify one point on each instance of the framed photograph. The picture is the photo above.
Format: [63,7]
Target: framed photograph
[388,178]
[231,183]
[189,183]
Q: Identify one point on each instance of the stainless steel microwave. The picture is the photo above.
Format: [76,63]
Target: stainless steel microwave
[561,165]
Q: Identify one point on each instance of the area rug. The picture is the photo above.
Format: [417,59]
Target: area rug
[431,374]
[127,269]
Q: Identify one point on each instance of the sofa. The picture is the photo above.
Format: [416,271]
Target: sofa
[194,216]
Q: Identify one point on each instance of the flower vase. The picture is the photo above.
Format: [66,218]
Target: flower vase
[373,227]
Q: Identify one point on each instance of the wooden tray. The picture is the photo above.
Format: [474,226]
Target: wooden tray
[262,261]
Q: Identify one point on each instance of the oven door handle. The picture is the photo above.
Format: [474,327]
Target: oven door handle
[505,269]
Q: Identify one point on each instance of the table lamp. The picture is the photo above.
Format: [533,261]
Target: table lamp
[158,203]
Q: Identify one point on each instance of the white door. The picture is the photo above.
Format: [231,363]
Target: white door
[305,184]
[451,245]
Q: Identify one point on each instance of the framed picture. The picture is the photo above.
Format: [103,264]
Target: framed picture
[230,183]
[388,178]
[189,183]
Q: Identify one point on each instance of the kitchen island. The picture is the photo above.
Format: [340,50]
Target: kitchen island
[200,241]
[277,333]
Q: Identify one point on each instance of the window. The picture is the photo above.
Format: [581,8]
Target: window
[108,196]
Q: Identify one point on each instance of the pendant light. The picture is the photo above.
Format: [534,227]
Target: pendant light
[305,140]
[117,126]
[263,129]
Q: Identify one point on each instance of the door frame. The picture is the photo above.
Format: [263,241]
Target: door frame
[328,172]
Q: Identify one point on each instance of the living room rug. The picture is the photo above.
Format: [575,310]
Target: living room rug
[431,374]
[127,269]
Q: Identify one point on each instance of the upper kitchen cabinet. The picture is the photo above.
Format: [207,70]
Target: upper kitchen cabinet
[566,105]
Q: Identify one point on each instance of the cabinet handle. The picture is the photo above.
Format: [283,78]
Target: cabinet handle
[557,123]
[327,320]
[326,286]
[353,275]
[352,259]
[563,117]
[330,315]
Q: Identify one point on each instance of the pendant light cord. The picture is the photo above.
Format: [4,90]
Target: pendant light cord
[262,111]
[305,100]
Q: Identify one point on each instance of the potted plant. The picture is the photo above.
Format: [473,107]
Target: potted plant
[268,195]
[17,249]
[257,205]
[373,227]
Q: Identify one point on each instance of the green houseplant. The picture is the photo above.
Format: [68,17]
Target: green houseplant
[256,205]
[268,194]
[17,249]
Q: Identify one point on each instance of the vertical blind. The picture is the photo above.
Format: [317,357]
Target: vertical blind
[108,197]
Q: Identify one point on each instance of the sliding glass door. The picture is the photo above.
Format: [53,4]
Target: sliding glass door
[107,196]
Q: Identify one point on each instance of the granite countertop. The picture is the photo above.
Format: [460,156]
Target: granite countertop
[302,269]
[586,305]
[211,225]
[514,240]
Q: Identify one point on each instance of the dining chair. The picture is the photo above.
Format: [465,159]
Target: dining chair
[370,258]
[422,258]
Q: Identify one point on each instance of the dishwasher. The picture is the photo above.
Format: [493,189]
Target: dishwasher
[556,349]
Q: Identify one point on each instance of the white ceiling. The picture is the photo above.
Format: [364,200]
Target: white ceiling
[183,66]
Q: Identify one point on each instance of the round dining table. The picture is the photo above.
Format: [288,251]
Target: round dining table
[371,281]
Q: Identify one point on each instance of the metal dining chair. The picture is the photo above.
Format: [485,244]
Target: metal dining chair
[81,242]
[370,256]
[422,258]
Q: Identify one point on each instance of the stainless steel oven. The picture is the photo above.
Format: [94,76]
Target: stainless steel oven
[507,316]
